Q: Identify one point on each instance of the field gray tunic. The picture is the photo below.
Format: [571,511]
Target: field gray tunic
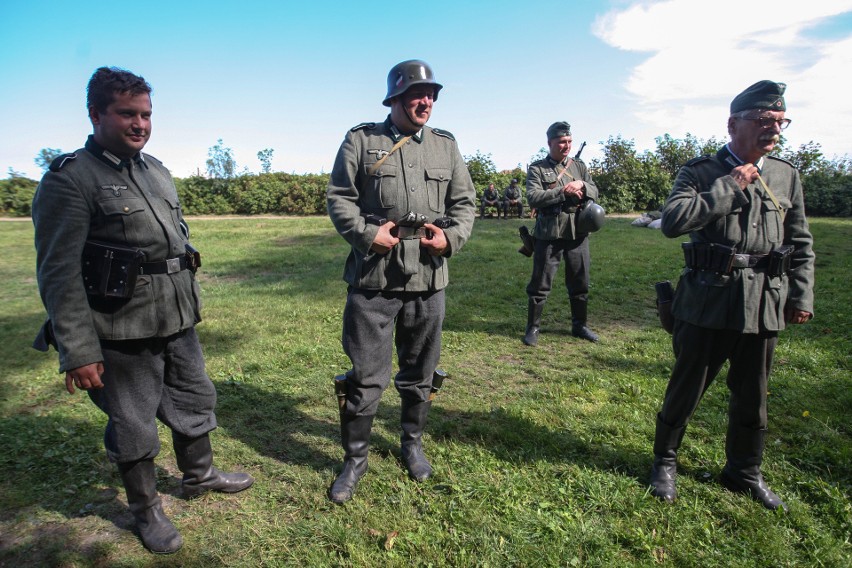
[133,203]
[427,175]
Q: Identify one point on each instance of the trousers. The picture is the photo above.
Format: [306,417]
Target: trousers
[373,323]
[148,379]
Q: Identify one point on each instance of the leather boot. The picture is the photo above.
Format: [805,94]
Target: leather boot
[355,435]
[195,459]
[533,322]
[157,532]
[666,443]
[744,450]
[579,309]
[413,419]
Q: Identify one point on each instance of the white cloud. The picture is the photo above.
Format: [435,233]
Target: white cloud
[700,55]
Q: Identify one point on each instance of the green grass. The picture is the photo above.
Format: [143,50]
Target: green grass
[540,455]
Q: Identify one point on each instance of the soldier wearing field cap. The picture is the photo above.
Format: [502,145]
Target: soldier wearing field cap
[749,272]
[556,185]
[401,195]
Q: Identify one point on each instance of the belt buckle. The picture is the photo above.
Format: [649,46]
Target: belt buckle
[740,261]
[172,265]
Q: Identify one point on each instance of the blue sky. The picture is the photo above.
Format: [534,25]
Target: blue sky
[294,76]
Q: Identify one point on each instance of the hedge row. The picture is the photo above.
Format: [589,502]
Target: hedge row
[826,194]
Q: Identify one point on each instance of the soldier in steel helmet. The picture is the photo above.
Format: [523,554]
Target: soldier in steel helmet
[749,272]
[125,331]
[556,186]
[401,195]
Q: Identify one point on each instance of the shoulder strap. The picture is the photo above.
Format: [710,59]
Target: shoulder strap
[396,146]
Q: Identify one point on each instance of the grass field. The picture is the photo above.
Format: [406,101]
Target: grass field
[540,455]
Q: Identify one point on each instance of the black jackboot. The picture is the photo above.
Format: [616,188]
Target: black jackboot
[195,459]
[413,419]
[355,435]
[579,310]
[666,443]
[533,322]
[157,532]
[744,450]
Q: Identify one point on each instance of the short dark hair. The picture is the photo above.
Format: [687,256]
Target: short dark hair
[107,81]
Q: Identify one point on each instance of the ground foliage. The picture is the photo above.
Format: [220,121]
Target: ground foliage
[540,455]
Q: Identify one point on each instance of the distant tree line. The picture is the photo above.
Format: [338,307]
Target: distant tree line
[628,180]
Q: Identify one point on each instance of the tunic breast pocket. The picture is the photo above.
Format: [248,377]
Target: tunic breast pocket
[381,187]
[174,208]
[773,220]
[437,181]
[127,220]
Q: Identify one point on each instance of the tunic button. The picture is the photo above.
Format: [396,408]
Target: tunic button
[410,165]
[751,276]
[754,225]
[126,209]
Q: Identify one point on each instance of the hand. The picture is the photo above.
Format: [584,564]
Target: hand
[744,174]
[576,188]
[85,377]
[437,244]
[793,315]
[384,240]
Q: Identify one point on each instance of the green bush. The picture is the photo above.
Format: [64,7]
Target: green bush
[16,195]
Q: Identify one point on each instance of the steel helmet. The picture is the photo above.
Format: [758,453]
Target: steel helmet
[590,217]
[406,74]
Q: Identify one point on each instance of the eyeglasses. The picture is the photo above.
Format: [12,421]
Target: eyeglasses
[769,122]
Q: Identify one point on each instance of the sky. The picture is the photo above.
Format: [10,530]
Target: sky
[294,76]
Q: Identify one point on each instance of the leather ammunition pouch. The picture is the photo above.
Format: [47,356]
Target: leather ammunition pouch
[109,269]
[719,258]
[779,260]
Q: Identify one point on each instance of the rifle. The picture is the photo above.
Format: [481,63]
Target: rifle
[580,151]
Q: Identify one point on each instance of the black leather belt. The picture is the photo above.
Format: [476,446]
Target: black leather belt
[168,266]
[750,261]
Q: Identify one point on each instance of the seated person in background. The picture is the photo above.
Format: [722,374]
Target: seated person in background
[512,198]
[490,198]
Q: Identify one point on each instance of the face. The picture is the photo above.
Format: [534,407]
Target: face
[125,126]
[749,140]
[411,110]
[559,147]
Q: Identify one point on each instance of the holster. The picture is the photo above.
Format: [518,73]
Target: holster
[109,269]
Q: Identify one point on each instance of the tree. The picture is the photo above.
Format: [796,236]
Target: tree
[481,168]
[46,156]
[220,162]
[265,157]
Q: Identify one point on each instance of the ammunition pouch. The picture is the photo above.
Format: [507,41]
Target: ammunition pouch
[110,270]
[193,258]
[779,260]
[709,256]
[725,259]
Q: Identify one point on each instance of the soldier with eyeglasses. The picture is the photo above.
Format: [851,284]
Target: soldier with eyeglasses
[749,272]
